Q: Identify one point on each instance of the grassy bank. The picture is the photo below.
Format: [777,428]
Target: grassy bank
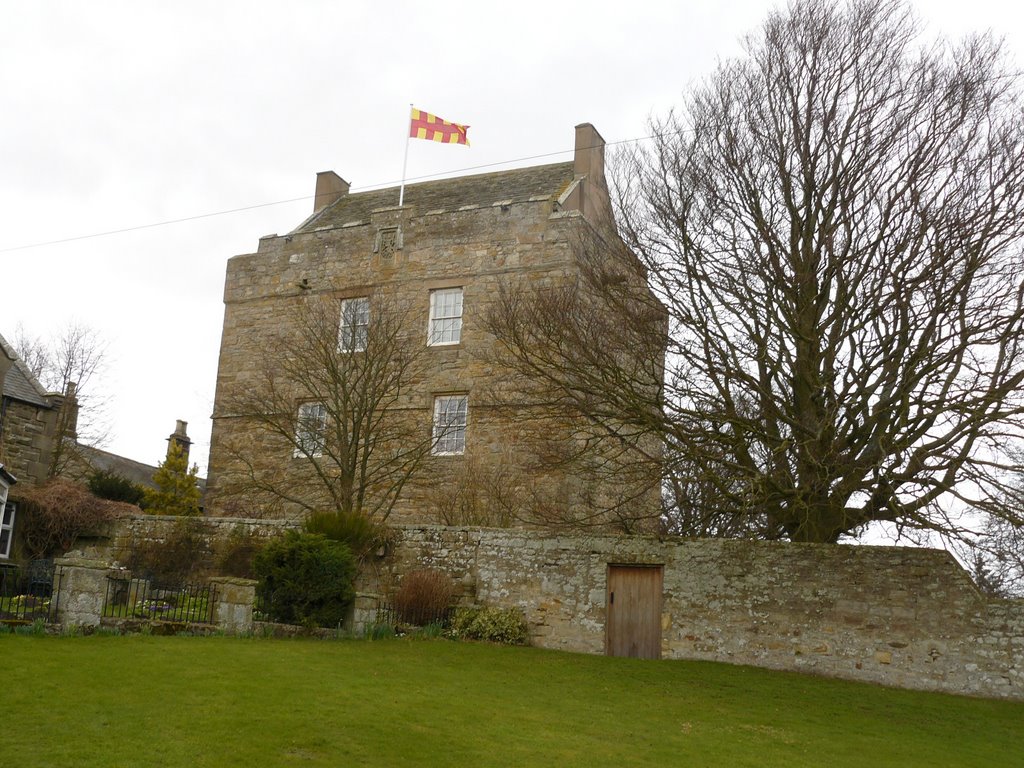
[182,701]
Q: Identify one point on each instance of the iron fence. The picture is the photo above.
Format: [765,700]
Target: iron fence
[420,616]
[31,593]
[261,606]
[128,598]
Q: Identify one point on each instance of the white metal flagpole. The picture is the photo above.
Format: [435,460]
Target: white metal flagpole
[405,161]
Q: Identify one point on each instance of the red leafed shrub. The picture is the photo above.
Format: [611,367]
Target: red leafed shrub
[424,597]
[58,513]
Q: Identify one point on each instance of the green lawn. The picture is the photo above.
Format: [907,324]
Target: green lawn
[190,701]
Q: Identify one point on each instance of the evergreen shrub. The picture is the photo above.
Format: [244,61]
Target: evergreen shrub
[358,531]
[496,625]
[305,578]
[114,487]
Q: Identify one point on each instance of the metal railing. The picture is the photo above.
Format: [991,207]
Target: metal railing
[421,616]
[128,598]
[29,594]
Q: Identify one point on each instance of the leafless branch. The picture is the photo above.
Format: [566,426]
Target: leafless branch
[368,444]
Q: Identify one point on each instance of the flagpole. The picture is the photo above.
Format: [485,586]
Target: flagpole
[405,161]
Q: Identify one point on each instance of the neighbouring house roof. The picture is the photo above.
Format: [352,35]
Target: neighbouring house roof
[20,383]
[136,471]
[539,182]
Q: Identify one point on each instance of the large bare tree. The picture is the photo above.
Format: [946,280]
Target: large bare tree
[326,424]
[834,224]
[588,352]
[71,363]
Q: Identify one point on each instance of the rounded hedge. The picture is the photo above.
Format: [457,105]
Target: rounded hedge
[305,578]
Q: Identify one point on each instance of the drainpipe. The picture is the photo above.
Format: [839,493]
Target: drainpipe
[3,420]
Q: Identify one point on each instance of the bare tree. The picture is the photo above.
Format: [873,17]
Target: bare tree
[71,364]
[328,425]
[999,558]
[589,354]
[834,224]
[484,490]
[994,556]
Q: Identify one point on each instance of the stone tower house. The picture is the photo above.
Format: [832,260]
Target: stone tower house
[438,262]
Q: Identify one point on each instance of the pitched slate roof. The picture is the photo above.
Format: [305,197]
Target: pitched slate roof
[19,383]
[136,471]
[485,189]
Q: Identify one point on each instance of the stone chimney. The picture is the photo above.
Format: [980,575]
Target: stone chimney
[179,437]
[69,411]
[330,188]
[589,192]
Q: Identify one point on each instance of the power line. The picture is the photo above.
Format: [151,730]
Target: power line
[150,226]
[365,188]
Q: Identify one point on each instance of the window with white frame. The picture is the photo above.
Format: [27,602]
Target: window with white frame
[450,425]
[310,429]
[445,317]
[7,526]
[354,326]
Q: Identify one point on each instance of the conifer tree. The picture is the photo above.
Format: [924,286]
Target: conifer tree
[176,492]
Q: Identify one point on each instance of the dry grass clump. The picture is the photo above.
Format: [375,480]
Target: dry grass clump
[424,597]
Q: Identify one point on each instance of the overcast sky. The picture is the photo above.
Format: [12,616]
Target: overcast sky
[118,115]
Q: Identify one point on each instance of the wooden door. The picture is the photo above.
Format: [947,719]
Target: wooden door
[633,627]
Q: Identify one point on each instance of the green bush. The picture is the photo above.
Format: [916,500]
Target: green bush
[496,625]
[423,597]
[361,534]
[115,487]
[305,578]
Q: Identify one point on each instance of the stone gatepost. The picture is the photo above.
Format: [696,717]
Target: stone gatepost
[232,606]
[81,590]
[363,613]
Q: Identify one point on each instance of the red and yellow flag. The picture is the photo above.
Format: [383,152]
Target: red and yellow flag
[424,125]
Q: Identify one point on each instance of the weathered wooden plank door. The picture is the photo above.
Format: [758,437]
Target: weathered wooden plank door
[633,627]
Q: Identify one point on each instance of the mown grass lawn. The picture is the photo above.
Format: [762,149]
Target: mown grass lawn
[188,701]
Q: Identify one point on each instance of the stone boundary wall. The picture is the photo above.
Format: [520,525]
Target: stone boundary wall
[157,528]
[904,617]
[898,616]
[142,528]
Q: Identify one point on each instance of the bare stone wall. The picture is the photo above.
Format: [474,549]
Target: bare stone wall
[27,441]
[898,616]
[158,528]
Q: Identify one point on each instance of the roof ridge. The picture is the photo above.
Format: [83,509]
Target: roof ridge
[419,195]
[463,177]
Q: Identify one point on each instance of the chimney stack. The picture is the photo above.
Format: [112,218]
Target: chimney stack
[330,188]
[180,438]
[69,411]
[590,193]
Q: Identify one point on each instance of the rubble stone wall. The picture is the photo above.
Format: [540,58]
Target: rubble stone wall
[897,616]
